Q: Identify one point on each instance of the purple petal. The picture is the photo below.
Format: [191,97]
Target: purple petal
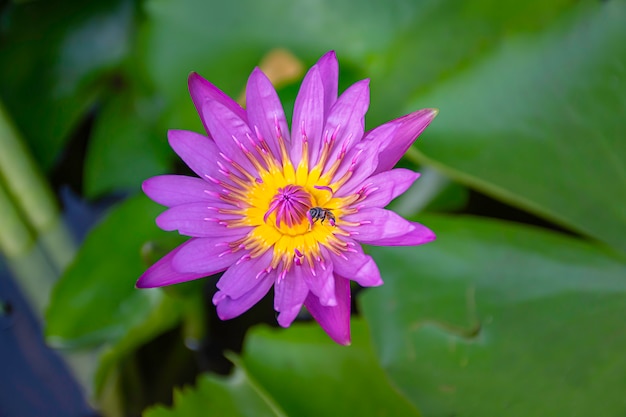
[162,273]
[199,152]
[228,308]
[205,255]
[319,279]
[202,90]
[409,128]
[346,120]
[334,320]
[173,190]
[265,111]
[380,227]
[244,275]
[200,220]
[289,294]
[361,161]
[329,70]
[356,266]
[231,134]
[308,115]
[380,189]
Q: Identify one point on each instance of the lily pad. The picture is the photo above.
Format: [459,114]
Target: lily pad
[498,319]
[236,396]
[96,301]
[539,122]
[310,375]
[403,45]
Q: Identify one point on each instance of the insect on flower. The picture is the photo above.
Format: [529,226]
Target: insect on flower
[318,213]
[252,213]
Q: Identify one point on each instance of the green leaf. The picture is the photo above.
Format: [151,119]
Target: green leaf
[309,375]
[161,318]
[539,122]
[124,148]
[432,192]
[497,319]
[96,301]
[433,41]
[55,60]
[403,45]
[234,396]
[298,370]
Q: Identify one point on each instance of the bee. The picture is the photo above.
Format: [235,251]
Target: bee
[318,213]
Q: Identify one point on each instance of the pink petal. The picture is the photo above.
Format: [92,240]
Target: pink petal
[205,255]
[244,275]
[265,111]
[380,189]
[356,266]
[382,227]
[202,90]
[319,279]
[334,320]
[360,161]
[289,294]
[232,135]
[173,190]
[200,220]
[162,273]
[346,120]
[308,115]
[199,152]
[409,128]
[228,308]
[329,70]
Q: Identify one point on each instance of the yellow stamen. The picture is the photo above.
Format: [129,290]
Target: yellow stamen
[299,242]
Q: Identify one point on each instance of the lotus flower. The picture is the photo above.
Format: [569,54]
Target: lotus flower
[286,208]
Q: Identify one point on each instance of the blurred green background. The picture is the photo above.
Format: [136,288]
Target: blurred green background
[516,310]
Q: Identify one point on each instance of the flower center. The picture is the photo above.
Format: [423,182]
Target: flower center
[277,204]
[290,204]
